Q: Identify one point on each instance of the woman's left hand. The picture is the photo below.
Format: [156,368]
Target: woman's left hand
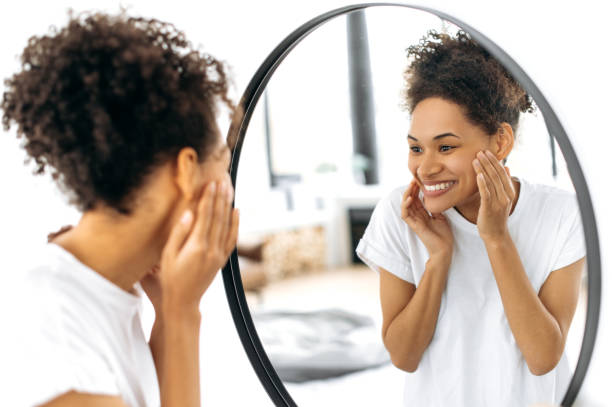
[496,196]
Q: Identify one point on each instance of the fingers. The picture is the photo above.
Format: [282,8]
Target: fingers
[405,206]
[226,218]
[407,198]
[494,183]
[413,211]
[485,194]
[220,215]
[179,233]
[502,172]
[205,212]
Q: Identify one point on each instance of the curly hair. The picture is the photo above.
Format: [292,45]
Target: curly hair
[106,99]
[461,71]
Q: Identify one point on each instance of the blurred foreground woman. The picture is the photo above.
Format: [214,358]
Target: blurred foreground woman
[122,112]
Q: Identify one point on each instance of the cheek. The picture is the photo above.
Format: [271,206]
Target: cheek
[214,173]
[467,175]
[461,166]
[412,166]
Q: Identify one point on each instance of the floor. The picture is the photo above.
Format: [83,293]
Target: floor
[356,289]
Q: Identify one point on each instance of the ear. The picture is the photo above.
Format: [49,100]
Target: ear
[503,141]
[186,172]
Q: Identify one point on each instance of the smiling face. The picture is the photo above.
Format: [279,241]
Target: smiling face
[443,143]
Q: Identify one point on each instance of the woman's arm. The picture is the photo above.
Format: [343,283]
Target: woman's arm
[156,343]
[410,314]
[539,323]
[197,248]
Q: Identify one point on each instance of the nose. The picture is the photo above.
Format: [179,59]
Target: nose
[429,166]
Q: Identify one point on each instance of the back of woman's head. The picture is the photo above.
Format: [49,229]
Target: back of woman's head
[461,71]
[107,99]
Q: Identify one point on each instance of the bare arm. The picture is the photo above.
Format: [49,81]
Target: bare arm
[197,248]
[410,314]
[156,343]
[539,323]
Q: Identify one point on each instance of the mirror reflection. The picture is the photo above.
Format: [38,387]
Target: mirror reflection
[379,267]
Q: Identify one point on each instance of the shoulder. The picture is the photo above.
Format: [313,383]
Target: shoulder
[57,305]
[52,340]
[390,203]
[548,199]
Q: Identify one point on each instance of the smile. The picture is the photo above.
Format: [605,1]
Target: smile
[439,187]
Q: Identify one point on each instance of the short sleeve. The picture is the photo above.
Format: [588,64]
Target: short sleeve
[571,241]
[55,354]
[383,243]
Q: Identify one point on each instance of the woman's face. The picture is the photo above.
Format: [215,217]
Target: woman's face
[443,143]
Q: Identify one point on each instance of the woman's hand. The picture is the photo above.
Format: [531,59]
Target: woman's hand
[198,247]
[496,196]
[433,230]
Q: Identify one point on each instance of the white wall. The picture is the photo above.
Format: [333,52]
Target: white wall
[566,55]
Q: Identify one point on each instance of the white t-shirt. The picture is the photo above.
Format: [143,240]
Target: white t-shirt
[75,330]
[473,359]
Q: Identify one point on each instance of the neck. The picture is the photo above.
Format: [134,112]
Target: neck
[123,250]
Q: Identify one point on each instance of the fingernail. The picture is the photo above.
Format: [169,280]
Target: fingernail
[476,163]
[186,218]
[213,187]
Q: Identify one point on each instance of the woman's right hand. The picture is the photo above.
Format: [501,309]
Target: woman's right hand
[198,246]
[433,230]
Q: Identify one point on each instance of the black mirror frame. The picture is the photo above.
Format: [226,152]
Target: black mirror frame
[231,272]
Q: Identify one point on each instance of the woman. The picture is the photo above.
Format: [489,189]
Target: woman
[479,270]
[122,112]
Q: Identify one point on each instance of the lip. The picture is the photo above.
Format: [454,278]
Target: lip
[432,194]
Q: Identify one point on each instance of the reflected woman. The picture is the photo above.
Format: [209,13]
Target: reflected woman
[479,270]
[122,112]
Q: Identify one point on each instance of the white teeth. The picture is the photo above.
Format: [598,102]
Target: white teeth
[438,187]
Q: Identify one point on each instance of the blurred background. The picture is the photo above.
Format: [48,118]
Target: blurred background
[300,178]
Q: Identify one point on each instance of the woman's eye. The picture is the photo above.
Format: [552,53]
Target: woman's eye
[415,149]
[446,148]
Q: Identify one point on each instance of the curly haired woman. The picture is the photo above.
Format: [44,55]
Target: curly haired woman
[122,112]
[479,270]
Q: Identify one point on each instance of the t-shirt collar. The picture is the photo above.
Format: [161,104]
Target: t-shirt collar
[459,221]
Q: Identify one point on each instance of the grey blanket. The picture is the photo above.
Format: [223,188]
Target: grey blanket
[313,345]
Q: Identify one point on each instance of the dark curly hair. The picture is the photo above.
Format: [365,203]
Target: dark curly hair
[461,71]
[106,99]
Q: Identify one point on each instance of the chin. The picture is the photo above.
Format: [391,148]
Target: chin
[437,207]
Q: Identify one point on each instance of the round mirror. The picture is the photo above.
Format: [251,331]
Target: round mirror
[324,144]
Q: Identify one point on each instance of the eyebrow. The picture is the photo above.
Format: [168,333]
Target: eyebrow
[439,136]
